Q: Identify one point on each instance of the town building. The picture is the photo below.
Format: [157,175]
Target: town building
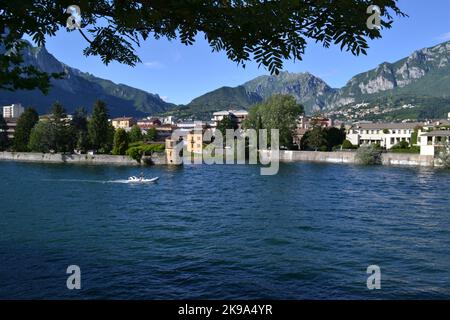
[11,114]
[164,131]
[194,142]
[48,117]
[189,126]
[192,136]
[123,123]
[13,111]
[171,155]
[11,124]
[167,120]
[237,116]
[432,142]
[148,123]
[386,135]
[305,123]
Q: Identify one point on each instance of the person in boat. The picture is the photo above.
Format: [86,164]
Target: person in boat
[141,176]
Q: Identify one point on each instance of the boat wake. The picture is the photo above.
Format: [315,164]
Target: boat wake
[121,181]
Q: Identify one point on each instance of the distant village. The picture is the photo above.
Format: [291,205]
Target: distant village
[425,137]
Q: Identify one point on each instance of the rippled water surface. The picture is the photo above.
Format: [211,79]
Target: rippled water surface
[224,232]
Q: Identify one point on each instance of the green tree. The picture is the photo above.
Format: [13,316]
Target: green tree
[253,120]
[315,139]
[53,136]
[68,137]
[4,141]
[79,119]
[347,145]
[58,112]
[277,112]
[139,150]
[42,137]
[109,139]
[226,123]
[80,124]
[99,130]
[152,134]
[25,123]
[120,144]
[82,143]
[135,134]
[334,137]
[268,32]
[64,135]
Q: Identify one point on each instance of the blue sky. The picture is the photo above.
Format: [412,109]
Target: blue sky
[179,73]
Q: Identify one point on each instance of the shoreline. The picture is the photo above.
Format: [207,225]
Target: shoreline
[336,157]
[349,157]
[82,159]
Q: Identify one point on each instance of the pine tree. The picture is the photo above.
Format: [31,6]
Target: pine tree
[4,141]
[99,127]
[25,123]
[135,134]
[120,144]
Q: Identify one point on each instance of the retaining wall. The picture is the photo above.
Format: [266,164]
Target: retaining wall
[403,159]
[98,159]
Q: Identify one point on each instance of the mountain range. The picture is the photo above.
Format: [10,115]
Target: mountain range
[82,89]
[421,80]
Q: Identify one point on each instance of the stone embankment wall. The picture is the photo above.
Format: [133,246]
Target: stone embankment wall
[98,159]
[404,159]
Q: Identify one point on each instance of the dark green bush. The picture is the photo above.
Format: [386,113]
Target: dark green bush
[369,155]
[348,145]
[401,145]
[138,150]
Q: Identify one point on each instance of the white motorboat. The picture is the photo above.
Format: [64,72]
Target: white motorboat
[134,179]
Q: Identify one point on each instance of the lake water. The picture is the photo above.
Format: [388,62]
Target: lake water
[224,232]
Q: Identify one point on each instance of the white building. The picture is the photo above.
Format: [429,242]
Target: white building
[219,115]
[13,111]
[431,142]
[386,135]
[237,116]
[167,120]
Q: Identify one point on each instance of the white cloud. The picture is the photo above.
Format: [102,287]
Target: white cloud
[444,37]
[154,65]
[165,98]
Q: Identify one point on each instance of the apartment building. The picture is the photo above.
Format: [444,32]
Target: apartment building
[13,111]
[305,123]
[432,142]
[386,135]
[237,116]
[123,123]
